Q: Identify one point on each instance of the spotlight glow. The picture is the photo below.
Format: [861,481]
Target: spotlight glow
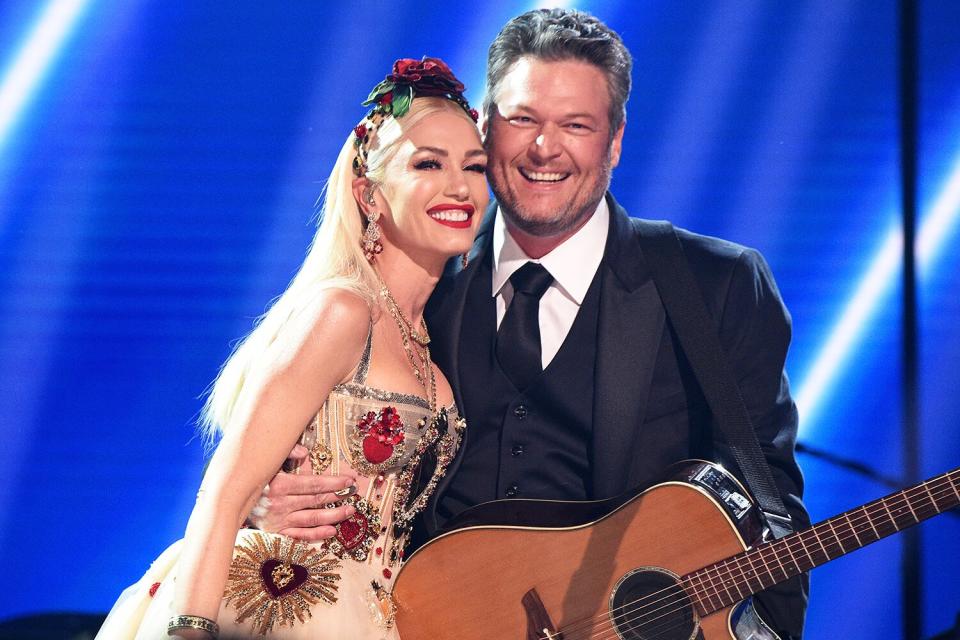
[881,275]
[939,223]
[34,59]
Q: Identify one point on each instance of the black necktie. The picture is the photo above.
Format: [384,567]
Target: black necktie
[518,340]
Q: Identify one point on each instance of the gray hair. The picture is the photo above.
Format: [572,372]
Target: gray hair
[562,34]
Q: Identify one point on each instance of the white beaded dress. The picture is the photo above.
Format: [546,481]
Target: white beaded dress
[287,589]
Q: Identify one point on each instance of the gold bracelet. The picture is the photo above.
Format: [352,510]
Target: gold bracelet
[192,622]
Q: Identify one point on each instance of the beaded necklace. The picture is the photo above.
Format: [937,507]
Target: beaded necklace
[423,371]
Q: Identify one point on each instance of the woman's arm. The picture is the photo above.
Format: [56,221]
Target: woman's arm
[283,391]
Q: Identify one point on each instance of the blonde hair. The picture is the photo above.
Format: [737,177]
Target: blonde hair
[334,260]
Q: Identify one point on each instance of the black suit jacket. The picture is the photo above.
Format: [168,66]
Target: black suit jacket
[648,409]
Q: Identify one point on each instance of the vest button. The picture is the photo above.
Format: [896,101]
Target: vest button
[517,450]
[520,411]
[513,491]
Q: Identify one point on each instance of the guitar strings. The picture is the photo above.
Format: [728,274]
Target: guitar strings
[719,574]
[651,629]
[856,519]
[638,604]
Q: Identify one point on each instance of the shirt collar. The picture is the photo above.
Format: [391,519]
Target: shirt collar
[572,264]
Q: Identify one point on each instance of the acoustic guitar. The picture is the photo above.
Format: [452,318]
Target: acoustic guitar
[677,561]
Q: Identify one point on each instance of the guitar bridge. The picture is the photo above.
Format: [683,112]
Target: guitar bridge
[539,625]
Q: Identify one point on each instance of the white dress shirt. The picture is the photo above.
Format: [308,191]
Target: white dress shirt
[572,264]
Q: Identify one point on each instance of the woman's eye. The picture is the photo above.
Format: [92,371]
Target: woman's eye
[427,164]
[479,168]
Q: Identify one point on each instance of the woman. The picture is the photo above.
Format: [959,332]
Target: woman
[341,365]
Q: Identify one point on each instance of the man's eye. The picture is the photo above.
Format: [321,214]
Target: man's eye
[521,120]
[427,164]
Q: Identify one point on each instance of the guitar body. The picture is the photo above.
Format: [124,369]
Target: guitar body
[471,583]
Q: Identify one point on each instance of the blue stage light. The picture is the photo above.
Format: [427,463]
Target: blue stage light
[940,222]
[879,278]
[34,59]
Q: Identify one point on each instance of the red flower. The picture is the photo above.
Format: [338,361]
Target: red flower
[386,98]
[382,432]
[360,130]
[429,77]
[474,114]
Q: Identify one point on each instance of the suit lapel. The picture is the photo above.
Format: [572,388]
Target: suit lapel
[630,327]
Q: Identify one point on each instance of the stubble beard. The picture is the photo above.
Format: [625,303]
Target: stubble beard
[571,216]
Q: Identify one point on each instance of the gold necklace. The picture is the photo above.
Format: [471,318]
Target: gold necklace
[423,339]
[424,376]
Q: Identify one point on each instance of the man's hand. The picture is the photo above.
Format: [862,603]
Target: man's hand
[294,505]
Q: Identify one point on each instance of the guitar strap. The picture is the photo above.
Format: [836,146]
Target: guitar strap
[699,339]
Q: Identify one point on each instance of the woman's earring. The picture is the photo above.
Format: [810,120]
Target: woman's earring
[370,241]
[464,260]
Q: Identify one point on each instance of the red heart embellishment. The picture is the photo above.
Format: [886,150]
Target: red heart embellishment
[353,531]
[280,578]
[375,451]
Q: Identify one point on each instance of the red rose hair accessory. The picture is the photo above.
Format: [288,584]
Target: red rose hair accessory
[429,77]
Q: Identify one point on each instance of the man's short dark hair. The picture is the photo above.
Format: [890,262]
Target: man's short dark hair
[562,34]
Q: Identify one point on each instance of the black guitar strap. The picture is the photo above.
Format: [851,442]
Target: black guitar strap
[699,339]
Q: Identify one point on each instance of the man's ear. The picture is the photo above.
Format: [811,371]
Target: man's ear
[485,116]
[363,193]
[616,145]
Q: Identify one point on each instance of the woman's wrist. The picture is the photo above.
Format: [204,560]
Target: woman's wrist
[192,627]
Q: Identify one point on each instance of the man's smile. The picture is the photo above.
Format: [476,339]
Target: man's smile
[543,176]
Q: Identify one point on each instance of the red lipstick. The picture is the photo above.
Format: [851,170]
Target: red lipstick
[447,214]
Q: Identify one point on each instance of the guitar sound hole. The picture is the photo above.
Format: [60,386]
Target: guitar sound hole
[649,604]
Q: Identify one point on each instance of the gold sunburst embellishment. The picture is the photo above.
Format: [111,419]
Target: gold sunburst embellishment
[275,580]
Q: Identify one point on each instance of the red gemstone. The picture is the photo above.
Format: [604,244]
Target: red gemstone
[375,451]
[352,531]
[379,551]
[387,573]
[153,589]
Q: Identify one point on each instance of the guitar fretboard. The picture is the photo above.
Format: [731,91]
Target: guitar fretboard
[731,580]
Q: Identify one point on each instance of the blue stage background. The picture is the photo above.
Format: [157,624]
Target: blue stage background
[158,177]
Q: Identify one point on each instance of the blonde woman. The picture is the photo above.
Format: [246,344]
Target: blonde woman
[341,366]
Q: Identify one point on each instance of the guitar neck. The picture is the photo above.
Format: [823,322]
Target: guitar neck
[730,581]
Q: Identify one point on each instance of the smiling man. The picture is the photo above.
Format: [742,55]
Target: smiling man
[553,147]
[555,340]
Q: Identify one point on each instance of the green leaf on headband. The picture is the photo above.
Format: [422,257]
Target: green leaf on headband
[402,97]
[377,92]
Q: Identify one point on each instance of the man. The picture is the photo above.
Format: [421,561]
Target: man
[554,338]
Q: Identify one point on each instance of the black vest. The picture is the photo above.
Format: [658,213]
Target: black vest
[534,444]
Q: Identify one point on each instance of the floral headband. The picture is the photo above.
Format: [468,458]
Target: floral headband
[410,79]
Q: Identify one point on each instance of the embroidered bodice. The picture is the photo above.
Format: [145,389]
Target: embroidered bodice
[399,448]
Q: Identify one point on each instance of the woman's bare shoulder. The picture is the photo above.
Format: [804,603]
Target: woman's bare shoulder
[338,315]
